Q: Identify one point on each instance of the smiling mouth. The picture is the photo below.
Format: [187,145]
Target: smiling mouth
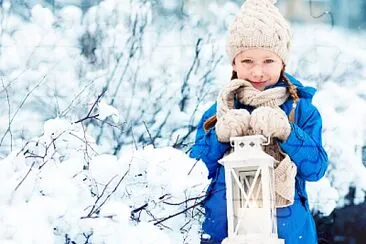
[258,83]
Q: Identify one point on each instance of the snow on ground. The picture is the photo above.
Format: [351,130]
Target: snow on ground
[50,194]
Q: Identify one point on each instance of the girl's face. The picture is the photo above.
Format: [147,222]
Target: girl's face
[259,66]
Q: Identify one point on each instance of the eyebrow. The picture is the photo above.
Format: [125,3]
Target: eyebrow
[265,57]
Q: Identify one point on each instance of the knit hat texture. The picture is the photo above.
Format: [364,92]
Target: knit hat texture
[259,24]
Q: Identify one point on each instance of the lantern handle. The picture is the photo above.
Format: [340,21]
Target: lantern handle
[263,139]
[267,142]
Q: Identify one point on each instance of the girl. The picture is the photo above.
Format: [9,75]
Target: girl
[262,99]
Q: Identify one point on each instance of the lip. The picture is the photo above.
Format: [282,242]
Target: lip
[259,83]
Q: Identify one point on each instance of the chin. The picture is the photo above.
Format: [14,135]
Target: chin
[259,87]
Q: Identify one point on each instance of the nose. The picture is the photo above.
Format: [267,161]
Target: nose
[257,71]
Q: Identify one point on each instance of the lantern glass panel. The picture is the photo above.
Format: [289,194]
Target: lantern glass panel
[253,203]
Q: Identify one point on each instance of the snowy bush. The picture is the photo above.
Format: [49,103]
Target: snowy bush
[68,193]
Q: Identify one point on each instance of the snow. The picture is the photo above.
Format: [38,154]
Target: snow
[324,203]
[105,110]
[42,17]
[57,196]
[104,181]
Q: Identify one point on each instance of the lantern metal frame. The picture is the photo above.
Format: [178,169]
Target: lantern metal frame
[250,192]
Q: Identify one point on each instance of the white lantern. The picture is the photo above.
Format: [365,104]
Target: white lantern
[250,192]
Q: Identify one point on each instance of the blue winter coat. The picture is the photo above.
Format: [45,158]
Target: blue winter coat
[304,146]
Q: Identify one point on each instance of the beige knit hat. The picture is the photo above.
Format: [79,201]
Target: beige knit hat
[259,24]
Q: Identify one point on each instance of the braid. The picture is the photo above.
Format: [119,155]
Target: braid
[293,93]
[291,88]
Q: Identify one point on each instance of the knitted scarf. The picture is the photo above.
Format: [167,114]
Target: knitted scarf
[248,95]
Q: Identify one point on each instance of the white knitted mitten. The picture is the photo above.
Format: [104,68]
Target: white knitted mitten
[235,122]
[271,122]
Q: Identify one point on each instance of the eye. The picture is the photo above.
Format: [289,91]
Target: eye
[268,61]
[247,61]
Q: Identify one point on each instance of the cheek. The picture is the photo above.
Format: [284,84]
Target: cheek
[275,73]
[242,72]
[243,76]
[275,77]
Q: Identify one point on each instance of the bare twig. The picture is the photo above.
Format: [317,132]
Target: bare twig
[26,175]
[148,132]
[134,44]
[114,190]
[133,139]
[95,209]
[20,106]
[190,207]
[99,217]
[29,154]
[117,126]
[65,111]
[140,208]
[84,140]
[23,148]
[322,14]
[201,94]
[185,87]
[87,237]
[186,201]
[86,153]
[163,123]
[190,171]
[9,112]
[155,219]
[89,116]
[138,211]
[178,213]
[52,143]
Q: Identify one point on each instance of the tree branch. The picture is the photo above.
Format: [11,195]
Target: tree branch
[89,116]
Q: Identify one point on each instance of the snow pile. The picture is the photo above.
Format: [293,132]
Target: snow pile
[58,189]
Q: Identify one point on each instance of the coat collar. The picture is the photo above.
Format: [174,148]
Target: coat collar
[303,91]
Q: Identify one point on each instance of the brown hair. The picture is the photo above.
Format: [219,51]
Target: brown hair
[210,122]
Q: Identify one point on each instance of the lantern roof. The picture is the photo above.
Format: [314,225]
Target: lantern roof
[248,152]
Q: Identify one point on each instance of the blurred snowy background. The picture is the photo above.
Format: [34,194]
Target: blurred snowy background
[99,102]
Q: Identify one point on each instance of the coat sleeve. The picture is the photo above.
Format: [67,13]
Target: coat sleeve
[304,145]
[206,147]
